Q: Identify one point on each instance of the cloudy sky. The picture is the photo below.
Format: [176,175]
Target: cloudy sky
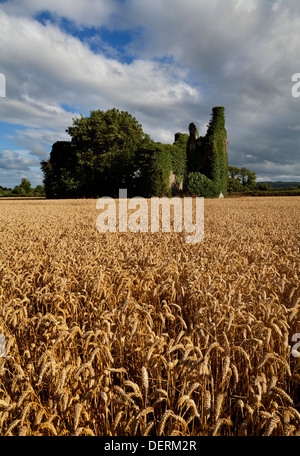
[167,62]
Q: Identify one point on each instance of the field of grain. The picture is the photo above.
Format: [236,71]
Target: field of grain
[123,334]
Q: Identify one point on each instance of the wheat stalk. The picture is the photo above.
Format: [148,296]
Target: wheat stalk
[218,406]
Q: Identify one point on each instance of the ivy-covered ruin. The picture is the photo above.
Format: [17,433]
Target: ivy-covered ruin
[207,157]
[109,151]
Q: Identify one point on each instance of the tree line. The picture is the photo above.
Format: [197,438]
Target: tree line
[23,189]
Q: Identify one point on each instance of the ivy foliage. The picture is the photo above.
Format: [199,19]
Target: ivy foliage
[154,168]
[156,161]
[216,137]
[179,158]
[208,155]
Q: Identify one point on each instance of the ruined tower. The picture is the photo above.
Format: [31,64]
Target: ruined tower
[208,155]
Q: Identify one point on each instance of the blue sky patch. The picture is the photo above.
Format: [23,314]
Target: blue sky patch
[102,40]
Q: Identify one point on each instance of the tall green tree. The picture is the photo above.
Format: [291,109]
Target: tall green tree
[248,178]
[24,189]
[61,179]
[99,159]
[241,179]
[106,144]
[234,172]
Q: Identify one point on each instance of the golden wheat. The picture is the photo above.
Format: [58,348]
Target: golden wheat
[144,334]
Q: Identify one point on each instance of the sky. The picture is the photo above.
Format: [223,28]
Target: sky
[166,62]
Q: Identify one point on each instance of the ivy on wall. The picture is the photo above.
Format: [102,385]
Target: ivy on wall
[216,140]
[208,155]
[200,163]
[154,164]
[179,158]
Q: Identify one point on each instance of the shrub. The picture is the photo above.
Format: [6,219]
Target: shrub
[198,184]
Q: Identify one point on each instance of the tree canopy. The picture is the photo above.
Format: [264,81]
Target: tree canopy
[99,159]
[109,151]
[240,179]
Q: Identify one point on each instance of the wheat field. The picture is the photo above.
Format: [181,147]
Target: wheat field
[123,334]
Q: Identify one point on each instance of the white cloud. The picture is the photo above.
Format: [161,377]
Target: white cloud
[247,5]
[63,70]
[38,141]
[14,159]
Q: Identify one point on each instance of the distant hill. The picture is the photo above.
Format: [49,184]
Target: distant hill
[280,184]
